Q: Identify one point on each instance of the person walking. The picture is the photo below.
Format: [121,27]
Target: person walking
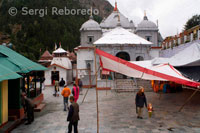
[140,101]
[56,88]
[28,108]
[42,79]
[80,84]
[65,93]
[75,92]
[62,82]
[73,116]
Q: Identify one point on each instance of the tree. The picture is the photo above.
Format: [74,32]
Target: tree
[37,32]
[194,21]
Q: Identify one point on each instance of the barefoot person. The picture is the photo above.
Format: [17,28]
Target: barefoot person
[140,100]
[73,116]
[65,93]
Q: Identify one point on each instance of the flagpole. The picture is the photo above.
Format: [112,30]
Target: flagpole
[97,105]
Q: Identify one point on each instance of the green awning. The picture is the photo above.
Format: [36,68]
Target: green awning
[6,74]
[17,62]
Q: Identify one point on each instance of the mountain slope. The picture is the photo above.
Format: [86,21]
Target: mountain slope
[33,34]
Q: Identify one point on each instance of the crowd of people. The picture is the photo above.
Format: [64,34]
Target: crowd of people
[73,110]
[67,93]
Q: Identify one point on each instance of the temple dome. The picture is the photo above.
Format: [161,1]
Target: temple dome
[113,19]
[62,62]
[147,25]
[90,25]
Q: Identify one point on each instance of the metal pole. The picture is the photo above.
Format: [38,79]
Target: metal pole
[97,105]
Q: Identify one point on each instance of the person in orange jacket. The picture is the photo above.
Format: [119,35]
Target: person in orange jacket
[65,93]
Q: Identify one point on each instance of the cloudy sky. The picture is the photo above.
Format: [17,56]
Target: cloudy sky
[171,14]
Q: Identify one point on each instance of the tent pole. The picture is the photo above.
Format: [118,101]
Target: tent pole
[97,105]
[188,99]
[106,84]
[89,87]
[76,75]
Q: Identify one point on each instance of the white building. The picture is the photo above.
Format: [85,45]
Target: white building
[60,67]
[118,36]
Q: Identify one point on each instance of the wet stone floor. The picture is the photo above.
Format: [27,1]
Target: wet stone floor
[117,114]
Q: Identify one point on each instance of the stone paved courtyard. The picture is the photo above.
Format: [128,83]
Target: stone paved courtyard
[117,114]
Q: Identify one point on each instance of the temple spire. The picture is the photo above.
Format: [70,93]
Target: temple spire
[145,15]
[115,9]
[91,10]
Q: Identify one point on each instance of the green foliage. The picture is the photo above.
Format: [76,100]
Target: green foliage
[37,32]
[194,21]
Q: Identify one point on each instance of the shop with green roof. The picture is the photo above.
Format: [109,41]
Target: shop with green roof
[15,75]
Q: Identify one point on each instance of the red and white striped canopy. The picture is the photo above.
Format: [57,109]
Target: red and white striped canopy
[163,72]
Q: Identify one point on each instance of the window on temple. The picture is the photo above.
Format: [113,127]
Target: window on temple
[90,39]
[148,38]
[89,65]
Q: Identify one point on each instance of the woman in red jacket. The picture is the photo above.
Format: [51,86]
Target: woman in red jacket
[75,92]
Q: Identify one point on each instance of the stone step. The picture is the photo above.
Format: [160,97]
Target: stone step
[8,127]
[126,90]
[124,81]
[39,107]
[124,84]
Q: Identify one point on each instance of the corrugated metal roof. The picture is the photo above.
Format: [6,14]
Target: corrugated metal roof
[17,62]
[6,74]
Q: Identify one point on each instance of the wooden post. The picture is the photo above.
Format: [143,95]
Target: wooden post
[106,83]
[41,85]
[97,105]
[89,87]
[76,75]
[35,84]
[23,84]
[90,78]
[28,84]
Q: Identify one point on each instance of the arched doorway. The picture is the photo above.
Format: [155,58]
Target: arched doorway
[124,56]
[139,58]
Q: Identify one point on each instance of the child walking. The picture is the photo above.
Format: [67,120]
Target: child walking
[150,109]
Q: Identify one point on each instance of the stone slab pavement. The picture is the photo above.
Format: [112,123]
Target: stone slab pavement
[117,114]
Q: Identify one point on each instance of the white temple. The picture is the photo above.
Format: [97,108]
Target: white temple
[60,67]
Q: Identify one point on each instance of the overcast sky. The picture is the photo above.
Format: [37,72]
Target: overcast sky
[171,14]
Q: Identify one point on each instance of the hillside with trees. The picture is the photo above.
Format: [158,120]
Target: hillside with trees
[193,21]
[31,35]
